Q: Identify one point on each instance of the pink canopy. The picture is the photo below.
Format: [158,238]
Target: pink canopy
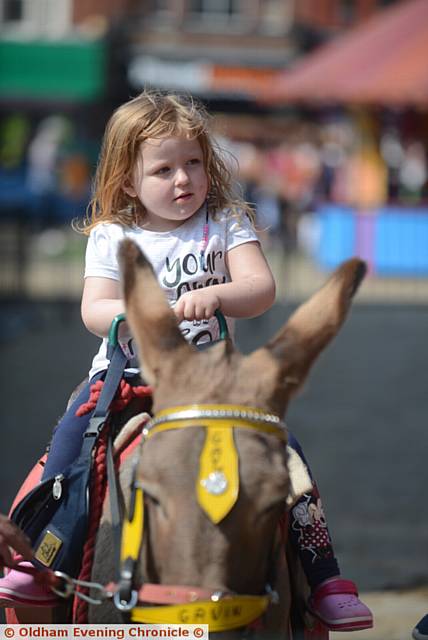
[382,61]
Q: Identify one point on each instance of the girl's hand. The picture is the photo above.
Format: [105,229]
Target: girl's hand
[197,305]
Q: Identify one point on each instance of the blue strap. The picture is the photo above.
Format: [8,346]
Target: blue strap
[101,412]
[111,383]
[118,362]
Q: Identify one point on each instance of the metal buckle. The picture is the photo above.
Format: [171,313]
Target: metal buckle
[67,584]
[125,598]
[273,595]
[69,589]
[96,424]
[125,605]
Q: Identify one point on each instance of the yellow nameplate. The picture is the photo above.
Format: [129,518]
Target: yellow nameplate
[229,613]
[48,548]
[218,480]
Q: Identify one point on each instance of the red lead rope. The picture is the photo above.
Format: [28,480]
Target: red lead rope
[123,397]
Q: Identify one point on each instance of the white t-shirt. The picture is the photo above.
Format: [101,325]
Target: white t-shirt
[176,259]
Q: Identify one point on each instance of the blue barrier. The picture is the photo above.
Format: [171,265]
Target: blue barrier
[337,233]
[393,240]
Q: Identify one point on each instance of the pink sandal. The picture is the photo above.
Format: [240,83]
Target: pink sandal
[336,603]
[18,589]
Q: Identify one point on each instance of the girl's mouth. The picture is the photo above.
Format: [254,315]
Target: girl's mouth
[183,197]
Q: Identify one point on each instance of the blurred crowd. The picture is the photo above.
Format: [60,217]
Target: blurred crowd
[358,159]
[45,168]
[349,159]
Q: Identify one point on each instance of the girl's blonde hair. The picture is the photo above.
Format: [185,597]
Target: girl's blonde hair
[154,114]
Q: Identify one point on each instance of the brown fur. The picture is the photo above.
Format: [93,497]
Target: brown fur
[182,545]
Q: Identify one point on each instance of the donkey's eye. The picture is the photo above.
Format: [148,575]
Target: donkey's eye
[150,499]
[152,491]
[156,507]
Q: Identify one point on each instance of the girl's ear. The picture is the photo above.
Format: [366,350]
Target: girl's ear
[129,189]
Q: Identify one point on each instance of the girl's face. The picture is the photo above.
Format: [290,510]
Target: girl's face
[170,180]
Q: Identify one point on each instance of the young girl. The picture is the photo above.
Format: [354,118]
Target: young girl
[162,182]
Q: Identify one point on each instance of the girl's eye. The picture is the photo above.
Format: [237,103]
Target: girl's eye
[194,161]
[162,170]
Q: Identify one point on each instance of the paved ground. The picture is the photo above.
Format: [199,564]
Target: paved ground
[396,613]
[362,422]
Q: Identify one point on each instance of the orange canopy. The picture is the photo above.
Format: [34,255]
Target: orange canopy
[383,61]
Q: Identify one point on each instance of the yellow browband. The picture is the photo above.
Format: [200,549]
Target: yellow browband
[217,490]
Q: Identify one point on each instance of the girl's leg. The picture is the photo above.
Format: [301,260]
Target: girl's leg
[334,600]
[67,436]
[309,532]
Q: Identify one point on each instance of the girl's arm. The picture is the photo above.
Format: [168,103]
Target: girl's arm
[251,292]
[101,302]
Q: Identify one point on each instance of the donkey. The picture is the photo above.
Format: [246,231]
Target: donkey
[182,545]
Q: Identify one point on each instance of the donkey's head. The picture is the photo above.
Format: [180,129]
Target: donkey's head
[185,545]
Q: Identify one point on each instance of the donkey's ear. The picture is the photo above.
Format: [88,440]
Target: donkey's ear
[315,323]
[152,322]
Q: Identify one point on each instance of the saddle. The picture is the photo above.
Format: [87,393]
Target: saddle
[54,514]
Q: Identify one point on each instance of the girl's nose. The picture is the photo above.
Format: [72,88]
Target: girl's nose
[181,177]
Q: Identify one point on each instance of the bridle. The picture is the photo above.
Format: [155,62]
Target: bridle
[217,490]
